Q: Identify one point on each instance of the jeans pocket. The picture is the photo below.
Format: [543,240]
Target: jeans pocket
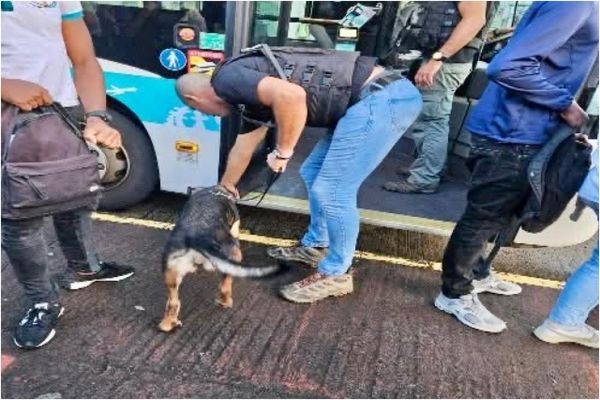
[482,166]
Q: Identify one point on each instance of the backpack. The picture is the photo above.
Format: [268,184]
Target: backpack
[556,173]
[47,167]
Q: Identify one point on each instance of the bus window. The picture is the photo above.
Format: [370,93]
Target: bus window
[135,32]
[314,24]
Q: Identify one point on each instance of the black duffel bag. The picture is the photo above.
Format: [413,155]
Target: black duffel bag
[47,166]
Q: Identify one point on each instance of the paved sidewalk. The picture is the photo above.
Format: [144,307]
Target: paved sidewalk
[385,340]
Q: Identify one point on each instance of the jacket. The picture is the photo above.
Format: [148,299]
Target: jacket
[538,73]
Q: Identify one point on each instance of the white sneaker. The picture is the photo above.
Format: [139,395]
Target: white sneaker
[551,332]
[469,310]
[493,284]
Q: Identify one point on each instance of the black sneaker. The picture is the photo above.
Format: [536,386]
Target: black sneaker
[110,272]
[37,326]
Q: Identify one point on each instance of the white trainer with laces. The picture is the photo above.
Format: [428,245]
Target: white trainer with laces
[493,284]
[551,332]
[469,310]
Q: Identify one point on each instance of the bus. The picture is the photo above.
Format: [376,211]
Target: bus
[143,46]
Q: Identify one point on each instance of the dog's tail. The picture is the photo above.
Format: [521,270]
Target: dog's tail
[238,270]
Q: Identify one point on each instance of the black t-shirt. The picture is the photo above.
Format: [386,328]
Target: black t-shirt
[237,82]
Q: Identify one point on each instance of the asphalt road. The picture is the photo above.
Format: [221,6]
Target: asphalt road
[386,340]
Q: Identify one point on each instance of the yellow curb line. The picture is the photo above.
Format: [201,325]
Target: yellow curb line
[364,255]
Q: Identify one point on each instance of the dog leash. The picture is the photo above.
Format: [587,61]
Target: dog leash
[270,182]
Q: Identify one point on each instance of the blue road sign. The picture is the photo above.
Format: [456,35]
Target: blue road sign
[173,59]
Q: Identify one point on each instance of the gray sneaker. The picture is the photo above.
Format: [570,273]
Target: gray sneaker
[307,255]
[551,332]
[469,310]
[493,284]
[404,186]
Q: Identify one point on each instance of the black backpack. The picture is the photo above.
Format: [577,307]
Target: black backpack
[556,174]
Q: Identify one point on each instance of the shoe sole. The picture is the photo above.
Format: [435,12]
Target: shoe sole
[553,338]
[45,341]
[339,294]
[464,321]
[494,291]
[81,285]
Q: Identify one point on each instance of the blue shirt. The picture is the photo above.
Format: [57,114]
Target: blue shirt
[537,74]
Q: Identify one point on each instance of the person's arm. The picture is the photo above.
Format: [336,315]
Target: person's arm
[240,156]
[24,94]
[288,102]
[472,21]
[517,66]
[89,81]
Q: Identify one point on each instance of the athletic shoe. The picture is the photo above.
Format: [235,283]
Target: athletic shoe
[493,284]
[109,272]
[317,287]
[551,332]
[469,310]
[403,186]
[37,326]
[307,255]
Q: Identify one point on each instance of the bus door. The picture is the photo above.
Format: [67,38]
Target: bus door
[292,24]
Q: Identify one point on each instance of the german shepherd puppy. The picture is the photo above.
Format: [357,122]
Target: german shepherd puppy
[206,234]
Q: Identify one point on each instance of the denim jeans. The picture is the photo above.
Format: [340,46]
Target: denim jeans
[339,163]
[580,294]
[26,248]
[499,187]
[430,131]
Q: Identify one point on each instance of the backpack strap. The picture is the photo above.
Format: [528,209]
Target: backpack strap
[266,51]
[64,115]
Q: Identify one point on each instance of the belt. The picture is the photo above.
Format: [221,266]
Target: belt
[379,82]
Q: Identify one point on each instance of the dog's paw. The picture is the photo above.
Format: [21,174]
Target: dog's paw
[167,325]
[228,303]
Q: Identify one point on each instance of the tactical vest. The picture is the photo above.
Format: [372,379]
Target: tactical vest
[430,25]
[325,75]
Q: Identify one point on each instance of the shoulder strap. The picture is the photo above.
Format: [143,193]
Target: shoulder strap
[64,115]
[266,51]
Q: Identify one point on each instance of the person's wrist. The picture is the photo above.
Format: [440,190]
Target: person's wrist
[283,154]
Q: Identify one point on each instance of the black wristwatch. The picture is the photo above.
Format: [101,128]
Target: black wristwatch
[103,115]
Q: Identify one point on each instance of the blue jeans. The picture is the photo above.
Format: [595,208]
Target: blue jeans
[580,294]
[339,163]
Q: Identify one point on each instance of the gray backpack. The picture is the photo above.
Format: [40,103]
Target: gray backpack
[47,167]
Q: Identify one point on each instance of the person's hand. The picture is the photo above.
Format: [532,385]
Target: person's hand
[24,94]
[426,74]
[575,116]
[99,132]
[276,164]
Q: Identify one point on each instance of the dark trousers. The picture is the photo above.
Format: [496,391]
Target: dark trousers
[26,248]
[499,187]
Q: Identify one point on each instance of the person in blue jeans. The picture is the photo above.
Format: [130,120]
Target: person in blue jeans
[566,323]
[368,107]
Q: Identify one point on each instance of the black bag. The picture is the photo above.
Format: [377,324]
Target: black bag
[46,165]
[555,174]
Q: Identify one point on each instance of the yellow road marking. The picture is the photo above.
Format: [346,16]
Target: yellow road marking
[364,255]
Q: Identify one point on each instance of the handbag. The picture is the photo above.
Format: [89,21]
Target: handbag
[47,166]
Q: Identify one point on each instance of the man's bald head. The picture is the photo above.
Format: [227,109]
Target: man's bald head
[196,91]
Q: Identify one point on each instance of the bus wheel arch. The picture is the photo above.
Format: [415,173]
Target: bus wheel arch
[129,174]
